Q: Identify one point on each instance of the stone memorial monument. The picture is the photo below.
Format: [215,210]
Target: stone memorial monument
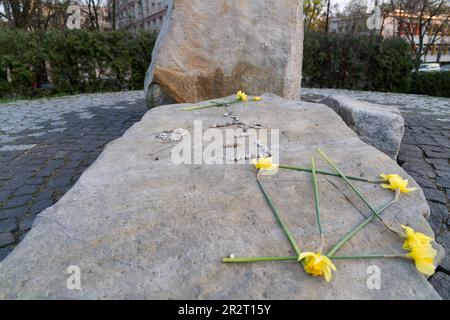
[211,49]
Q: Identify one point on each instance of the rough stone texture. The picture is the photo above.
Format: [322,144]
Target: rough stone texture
[212,49]
[139,226]
[46,144]
[424,154]
[379,126]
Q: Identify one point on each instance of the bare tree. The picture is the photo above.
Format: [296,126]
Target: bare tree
[92,10]
[113,12]
[33,14]
[355,15]
[423,22]
[312,10]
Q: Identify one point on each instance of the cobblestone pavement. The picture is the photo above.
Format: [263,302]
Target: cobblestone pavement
[46,144]
[424,154]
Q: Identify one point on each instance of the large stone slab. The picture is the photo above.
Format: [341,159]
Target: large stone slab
[210,49]
[380,126]
[140,226]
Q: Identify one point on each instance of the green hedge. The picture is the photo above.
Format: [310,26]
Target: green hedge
[76,61]
[81,61]
[431,83]
[360,62]
[357,62]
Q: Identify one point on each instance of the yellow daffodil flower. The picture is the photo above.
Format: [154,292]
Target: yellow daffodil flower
[396,183]
[414,239]
[422,252]
[241,95]
[424,258]
[386,177]
[317,264]
[265,164]
[257,99]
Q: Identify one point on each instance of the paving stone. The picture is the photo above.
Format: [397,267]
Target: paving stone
[5,251]
[438,217]
[436,154]
[44,173]
[4,195]
[12,213]
[408,151]
[442,141]
[35,181]
[424,140]
[6,238]
[17,147]
[26,223]
[9,224]
[5,175]
[435,195]
[41,205]
[17,201]
[26,189]
[436,161]
[442,170]
[423,182]
[443,182]
[441,282]
[444,240]
[59,181]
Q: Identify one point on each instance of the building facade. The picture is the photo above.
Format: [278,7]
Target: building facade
[140,14]
[439,50]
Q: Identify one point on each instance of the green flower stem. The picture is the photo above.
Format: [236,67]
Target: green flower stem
[212,104]
[360,195]
[292,258]
[278,217]
[316,196]
[358,228]
[259,259]
[296,168]
[371,256]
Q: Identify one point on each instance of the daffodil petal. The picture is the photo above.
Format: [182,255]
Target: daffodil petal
[327,274]
[304,255]
[425,267]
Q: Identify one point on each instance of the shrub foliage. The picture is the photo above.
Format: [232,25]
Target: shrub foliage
[79,61]
[361,62]
[74,61]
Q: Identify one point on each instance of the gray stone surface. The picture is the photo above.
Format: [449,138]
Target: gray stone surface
[380,126]
[424,154]
[139,226]
[207,50]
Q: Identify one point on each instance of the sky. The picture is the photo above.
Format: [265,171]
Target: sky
[342,3]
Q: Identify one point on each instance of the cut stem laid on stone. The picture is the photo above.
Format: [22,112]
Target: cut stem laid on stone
[360,195]
[297,168]
[316,201]
[293,258]
[359,227]
[212,104]
[375,213]
[278,217]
